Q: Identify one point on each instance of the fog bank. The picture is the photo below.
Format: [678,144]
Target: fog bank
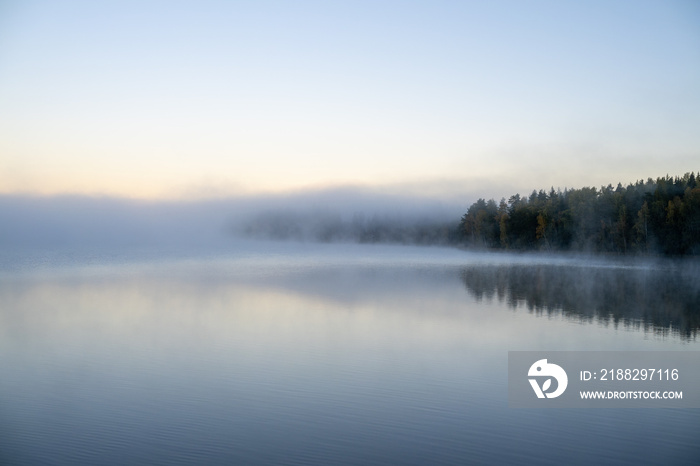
[346,214]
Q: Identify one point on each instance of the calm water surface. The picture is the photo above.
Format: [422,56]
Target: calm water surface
[270,353]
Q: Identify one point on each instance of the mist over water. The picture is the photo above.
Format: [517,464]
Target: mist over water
[157,333]
[353,215]
[301,243]
[289,353]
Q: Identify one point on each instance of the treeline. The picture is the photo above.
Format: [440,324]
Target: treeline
[329,228]
[651,216]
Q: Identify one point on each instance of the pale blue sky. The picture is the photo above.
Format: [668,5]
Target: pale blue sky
[191,99]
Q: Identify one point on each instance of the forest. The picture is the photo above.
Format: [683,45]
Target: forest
[652,216]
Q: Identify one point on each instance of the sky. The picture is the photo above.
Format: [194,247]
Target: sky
[208,99]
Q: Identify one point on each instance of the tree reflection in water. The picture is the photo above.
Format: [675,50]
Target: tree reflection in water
[664,301]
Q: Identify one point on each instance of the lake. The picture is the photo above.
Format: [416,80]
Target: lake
[285,353]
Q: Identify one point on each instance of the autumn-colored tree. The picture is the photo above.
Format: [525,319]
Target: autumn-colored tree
[661,215]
